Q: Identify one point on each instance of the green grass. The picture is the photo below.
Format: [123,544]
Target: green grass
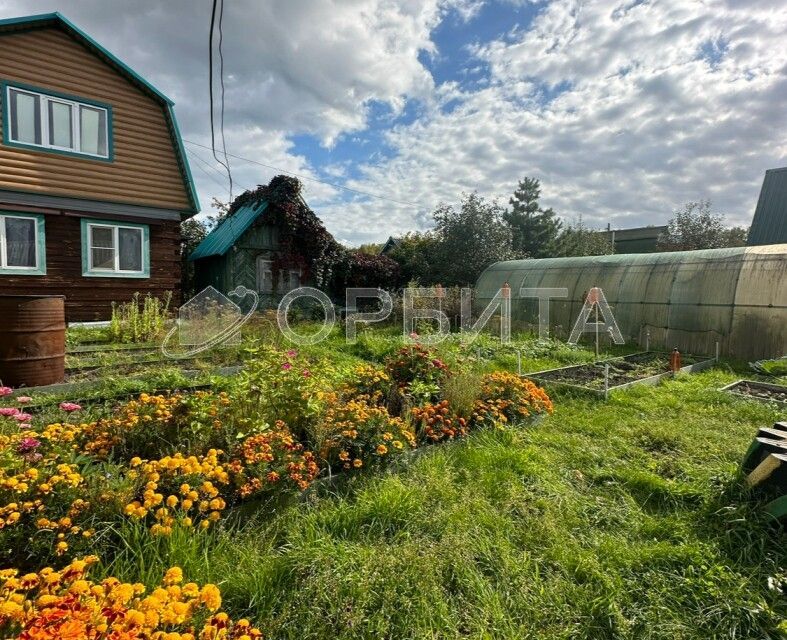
[623,519]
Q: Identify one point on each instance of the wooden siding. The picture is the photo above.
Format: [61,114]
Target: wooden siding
[91,298]
[145,169]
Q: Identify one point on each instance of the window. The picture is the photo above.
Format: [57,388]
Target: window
[22,248]
[264,275]
[115,250]
[57,123]
[295,279]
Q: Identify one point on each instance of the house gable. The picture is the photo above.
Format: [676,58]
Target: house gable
[147,168]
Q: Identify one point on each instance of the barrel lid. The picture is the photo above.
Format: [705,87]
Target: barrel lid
[29,296]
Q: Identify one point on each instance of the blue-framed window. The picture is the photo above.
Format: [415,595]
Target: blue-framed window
[45,120]
[115,249]
[22,244]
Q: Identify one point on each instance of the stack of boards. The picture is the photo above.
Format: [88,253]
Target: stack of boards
[765,465]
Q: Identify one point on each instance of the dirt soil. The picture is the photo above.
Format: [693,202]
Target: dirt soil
[634,367]
[760,391]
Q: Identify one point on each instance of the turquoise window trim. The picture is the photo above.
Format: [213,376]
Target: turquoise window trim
[40,270]
[85,241]
[5,84]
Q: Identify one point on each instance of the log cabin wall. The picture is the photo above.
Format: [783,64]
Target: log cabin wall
[144,170]
[91,298]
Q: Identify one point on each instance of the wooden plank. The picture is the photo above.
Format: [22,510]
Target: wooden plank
[765,469]
[48,58]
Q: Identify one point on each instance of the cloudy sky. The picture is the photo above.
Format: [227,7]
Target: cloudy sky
[624,109]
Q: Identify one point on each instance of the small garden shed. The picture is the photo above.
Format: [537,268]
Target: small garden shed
[271,242]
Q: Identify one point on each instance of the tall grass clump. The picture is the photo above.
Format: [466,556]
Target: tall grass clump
[140,319]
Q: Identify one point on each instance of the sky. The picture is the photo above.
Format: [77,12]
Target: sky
[623,109]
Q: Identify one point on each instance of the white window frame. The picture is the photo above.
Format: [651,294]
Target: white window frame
[4,248]
[43,111]
[116,242]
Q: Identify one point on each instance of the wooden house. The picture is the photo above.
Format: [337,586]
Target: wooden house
[246,249]
[94,180]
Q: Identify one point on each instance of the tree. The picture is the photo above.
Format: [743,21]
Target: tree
[534,230]
[415,253]
[735,237]
[469,240]
[192,232]
[578,240]
[370,248]
[697,227]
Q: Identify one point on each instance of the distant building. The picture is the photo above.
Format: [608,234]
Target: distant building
[389,245]
[637,239]
[770,218]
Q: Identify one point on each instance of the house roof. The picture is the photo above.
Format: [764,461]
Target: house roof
[229,230]
[770,218]
[389,245]
[58,21]
[638,239]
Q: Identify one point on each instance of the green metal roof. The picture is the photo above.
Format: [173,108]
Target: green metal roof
[57,20]
[229,230]
[770,218]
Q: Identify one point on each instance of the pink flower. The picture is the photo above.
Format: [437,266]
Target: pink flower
[70,406]
[307,373]
[6,391]
[8,411]
[286,366]
[22,417]
[292,353]
[24,399]
[26,445]
[25,425]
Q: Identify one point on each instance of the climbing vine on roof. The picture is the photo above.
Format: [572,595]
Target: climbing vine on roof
[302,236]
[306,243]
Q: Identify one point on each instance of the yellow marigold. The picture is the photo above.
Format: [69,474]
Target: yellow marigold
[211,596]
[174,575]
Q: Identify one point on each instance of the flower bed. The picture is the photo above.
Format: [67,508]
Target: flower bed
[185,460]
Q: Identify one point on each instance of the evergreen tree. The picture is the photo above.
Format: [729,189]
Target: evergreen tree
[534,230]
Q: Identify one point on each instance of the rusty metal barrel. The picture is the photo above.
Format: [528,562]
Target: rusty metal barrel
[32,340]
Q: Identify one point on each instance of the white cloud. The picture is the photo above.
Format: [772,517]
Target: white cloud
[643,122]
[617,106]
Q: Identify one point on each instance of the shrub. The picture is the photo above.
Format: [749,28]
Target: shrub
[507,397]
[278,385]
[461,390]
[136,321]
[437,422]
[416,362]
[355,433]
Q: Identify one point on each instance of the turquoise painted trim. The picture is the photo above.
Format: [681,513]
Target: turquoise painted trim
[183,159]
[44,19]
[87,273]
[4,84]
[40,245]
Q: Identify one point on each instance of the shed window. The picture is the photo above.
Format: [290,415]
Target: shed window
[56,123]
[115,249]
[22,244]
[264,275]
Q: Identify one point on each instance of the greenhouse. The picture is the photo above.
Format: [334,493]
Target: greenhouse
[735,297]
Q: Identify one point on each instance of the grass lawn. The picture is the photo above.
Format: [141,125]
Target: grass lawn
[624,519]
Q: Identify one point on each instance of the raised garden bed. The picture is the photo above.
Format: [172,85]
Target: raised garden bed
[81,391]
[648,367]
[760,391]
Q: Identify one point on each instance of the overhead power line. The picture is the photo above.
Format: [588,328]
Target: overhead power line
[309,178]
[226,163]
